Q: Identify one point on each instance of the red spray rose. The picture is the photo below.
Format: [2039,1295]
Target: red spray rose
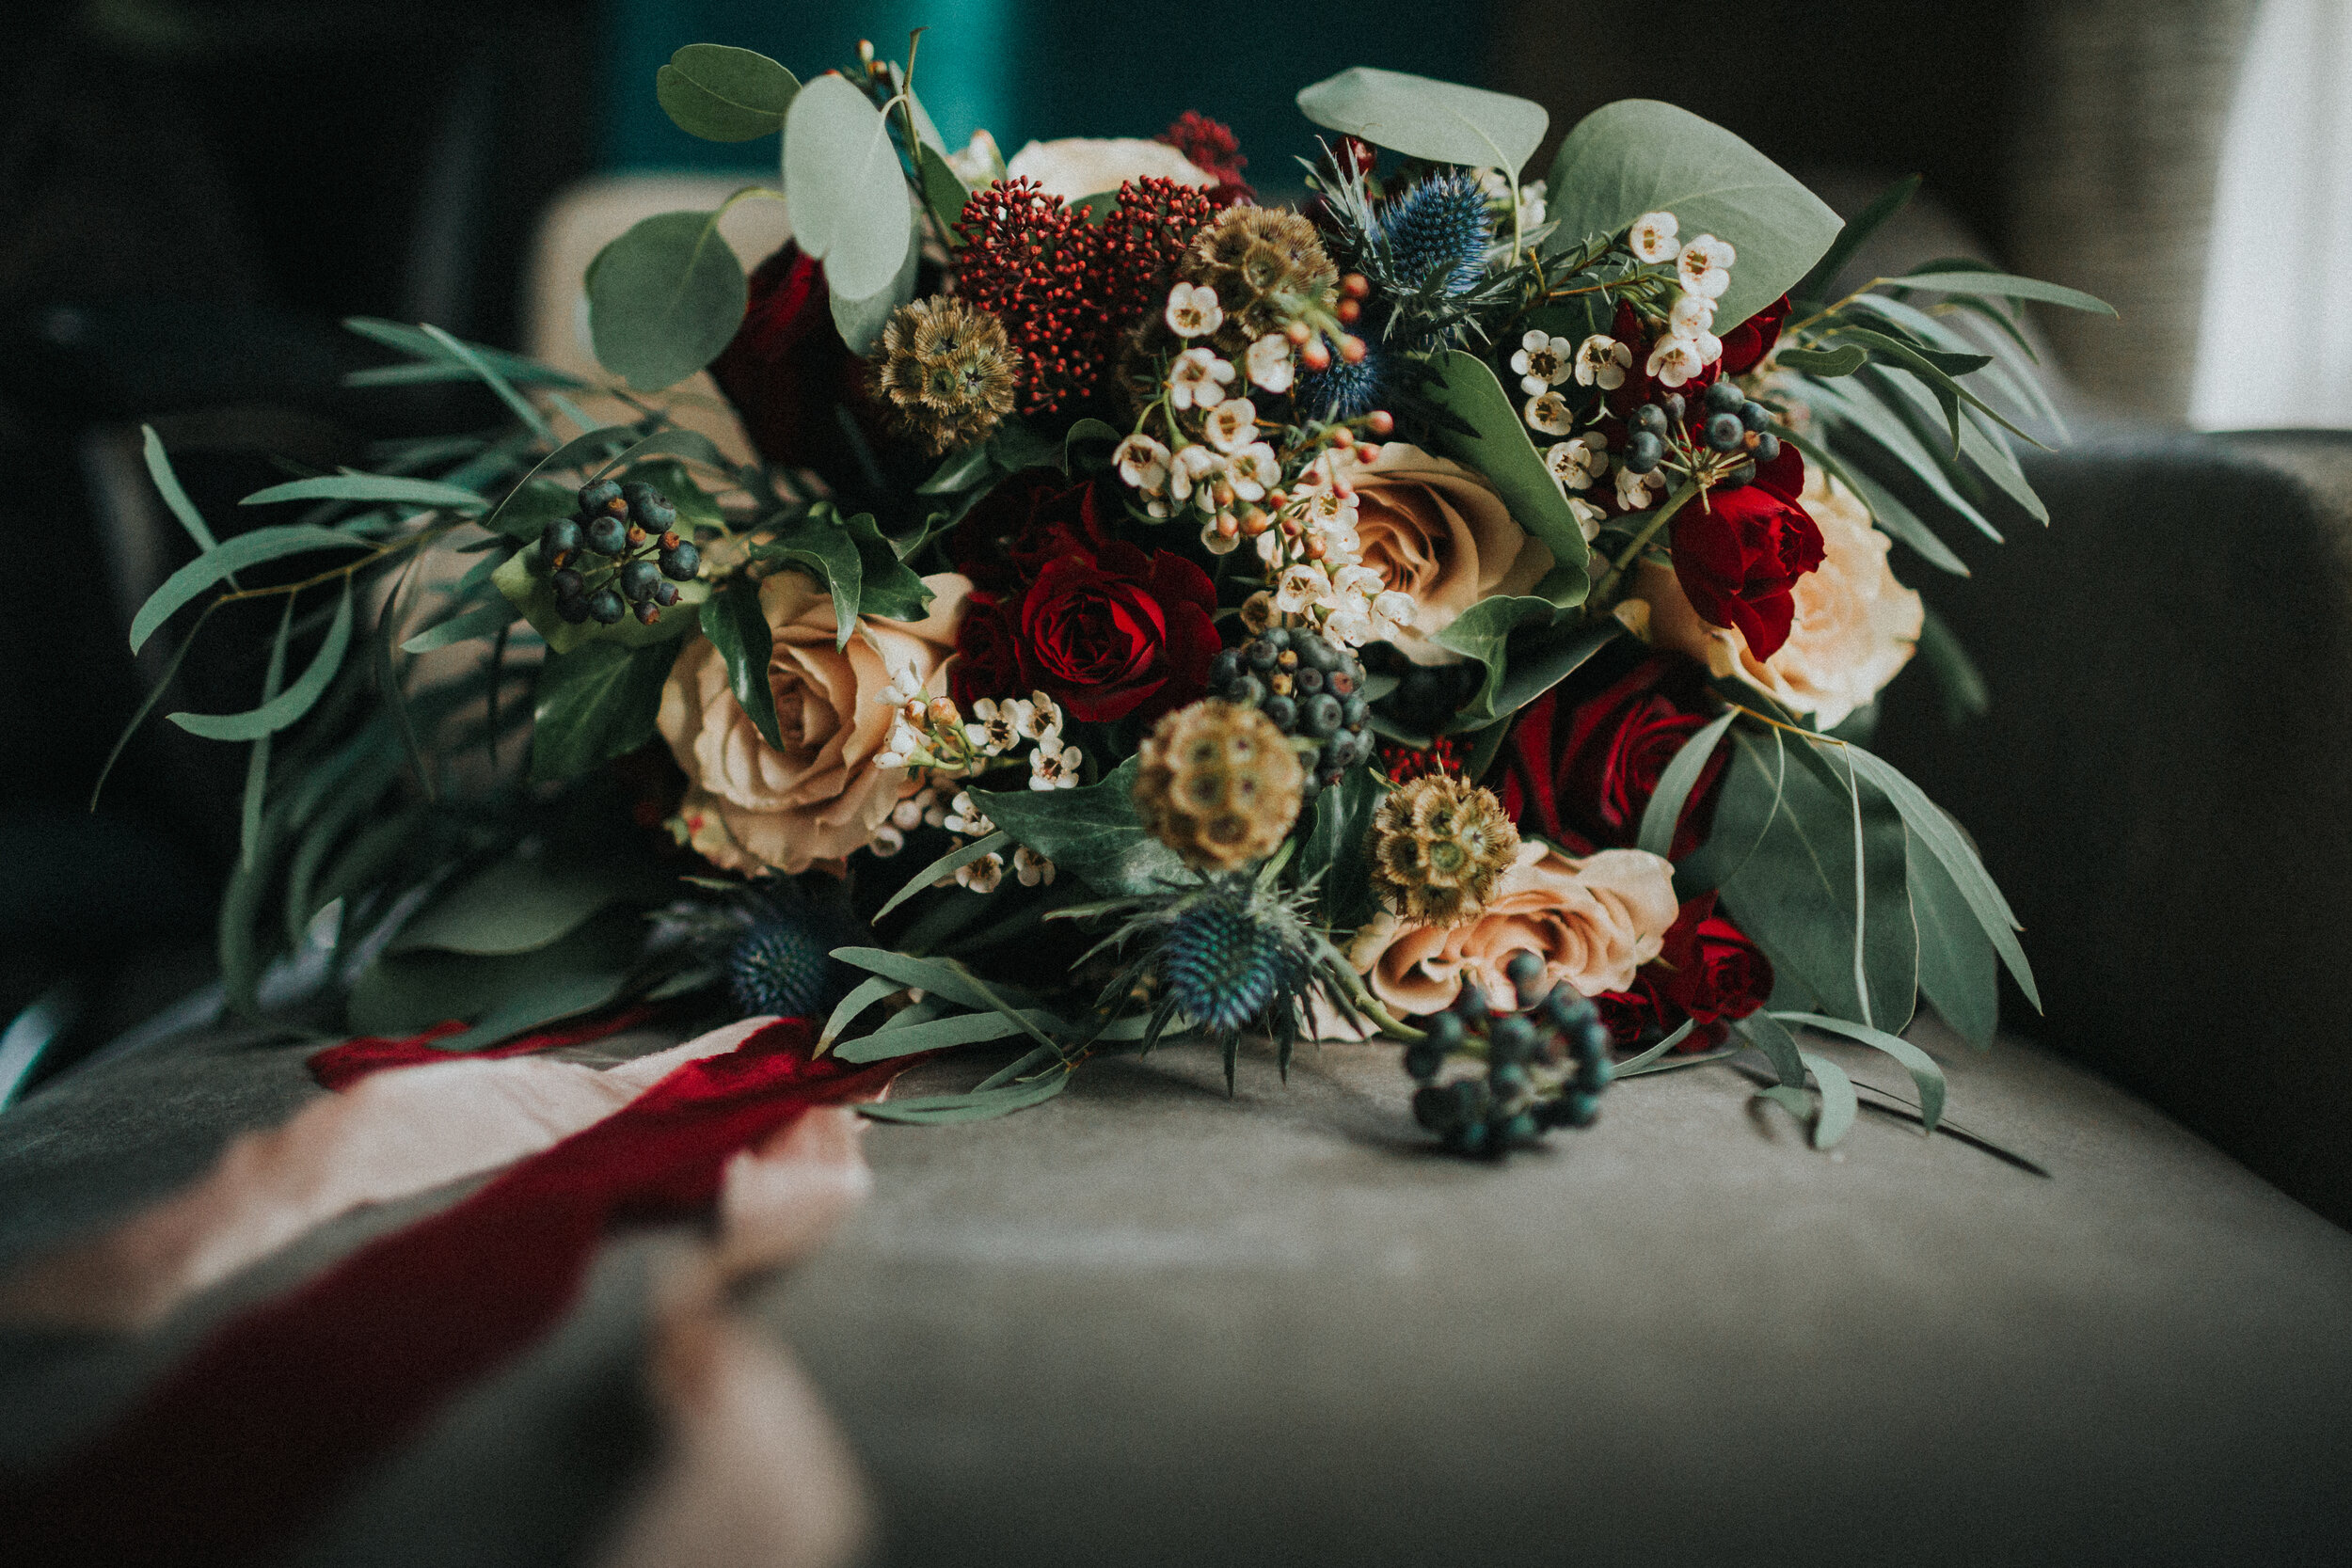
[1118,632]
[1026,521]
[1581,772]
[1709,974]
[787,368]
[1744,348]
[988,653]
[1738,552]
[1746,344]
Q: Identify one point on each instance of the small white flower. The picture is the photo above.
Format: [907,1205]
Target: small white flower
[982,874]
[1542,360]
[1706,266]
[1055,765]
[904,741]
[905,687]
[1588,518]
[1299,586]
[1351,623]
[1231,425]
[1329,512]
[1496,186]
[909,814]
[1393,613]
[1578,462]
[1329,467]
[1652,237]
[1269,362]
[965,817]
[1532,204]
[1254,470]
[1709,346]
[1675,360]
[1549,412]
[1198,379]
[1194,469]
[1032,867]
[1214,538]
[1633,490]
[998,727]
[1361,581]
[887,841]
[1602,362]
[1193,311]
[1043,716]
[1142,462]
[1692,315]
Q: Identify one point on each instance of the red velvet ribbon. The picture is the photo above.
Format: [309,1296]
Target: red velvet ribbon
[264,1427]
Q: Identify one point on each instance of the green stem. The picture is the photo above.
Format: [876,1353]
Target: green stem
[1640,541]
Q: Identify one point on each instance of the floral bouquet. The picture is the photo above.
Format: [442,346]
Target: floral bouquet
[1454,607]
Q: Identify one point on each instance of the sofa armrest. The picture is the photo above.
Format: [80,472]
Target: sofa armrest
[2164,783]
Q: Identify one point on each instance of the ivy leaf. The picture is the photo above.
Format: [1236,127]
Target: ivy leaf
[738,627]
[676,485]
[888,586]
[664,298]
[1639,156]
[1497,446]
[824,548]
[1093,833]
[526,587]
[723,94]
[595,703]
[1421,117]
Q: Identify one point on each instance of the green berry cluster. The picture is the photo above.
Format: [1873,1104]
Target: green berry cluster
[1308,686]
[1547,1063]
[1732,435]
[620,553]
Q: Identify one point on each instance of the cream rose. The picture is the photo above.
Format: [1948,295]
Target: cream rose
[1434,530]
[1593,922]
[822,794]
[1855,625]
[1076,167]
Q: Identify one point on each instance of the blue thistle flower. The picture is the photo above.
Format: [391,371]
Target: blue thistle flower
[1440,226]
[1225,966]
[1346,391]
[782,964]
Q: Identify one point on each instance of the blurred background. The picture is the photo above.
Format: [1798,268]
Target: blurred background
[195,192]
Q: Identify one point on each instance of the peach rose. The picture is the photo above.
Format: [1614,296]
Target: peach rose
[1438,532]
[749,805]
[1593,922]
[1855,625]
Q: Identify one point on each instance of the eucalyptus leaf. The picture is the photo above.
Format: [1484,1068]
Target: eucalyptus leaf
[371,487]
[1816,283]
[1925,1073]
[1844,359]
[860,322]
[1497,446]
[2006,285]
[246,549]
[843,184]
[1862,412]
[168,485]
[724,94]
[1837,1100]
[1091,832]
[937,1034]
[676,484]
[978,1105]
[281,708]
[1965,695]
[738,627]
[414,340]
[516,404]
[401,993]
[1959,973]
[946,866]
[873,989]
[664,298]
[1421,117]
[1639,156]
[595,703]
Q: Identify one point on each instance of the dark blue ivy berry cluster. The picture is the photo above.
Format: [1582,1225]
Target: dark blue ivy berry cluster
[622,551]
[1530,1085]
[1732,426]
[1309,685]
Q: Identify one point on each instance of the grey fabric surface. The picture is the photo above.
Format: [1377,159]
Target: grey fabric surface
[2164,784]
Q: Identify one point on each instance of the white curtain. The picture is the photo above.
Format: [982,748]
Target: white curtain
[2275,344]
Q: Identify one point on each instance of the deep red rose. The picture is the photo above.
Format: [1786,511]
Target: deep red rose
[1709,974]
[1581,771]
[988,655]
[1118,632]
[1746,344]
[1738,552]
[1026,521]
[787,370]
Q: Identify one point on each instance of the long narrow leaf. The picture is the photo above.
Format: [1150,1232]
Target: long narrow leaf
[395,488]
[280,708]
[246,549]
[168,485]
[147,706]
[1838,1100]
[1815,283]
[481,621]
[946,866]
[256,765]
[979,1105]
[1866,414]
[2006,285]
[1635,1064]
[862,996]
[463,354]
[1925,1073]
[938,1035]
[413,341]
[1665,810]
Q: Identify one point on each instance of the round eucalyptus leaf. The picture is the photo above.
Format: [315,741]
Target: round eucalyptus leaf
[1420,117]
[723,94]
[665,299]
[844,188]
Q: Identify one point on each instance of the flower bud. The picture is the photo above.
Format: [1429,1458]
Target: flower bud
[1347,311]
[1317,354]
[1352,349]
[1380,421]
[943,712]
[1356,285]
[1298,332]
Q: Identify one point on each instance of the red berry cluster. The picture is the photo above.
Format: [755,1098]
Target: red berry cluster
[1212,149]
[1403,763]
[1065,289]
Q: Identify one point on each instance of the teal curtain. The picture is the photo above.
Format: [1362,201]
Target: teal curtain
[1027,69]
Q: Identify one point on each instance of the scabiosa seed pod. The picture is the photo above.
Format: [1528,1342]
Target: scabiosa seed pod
[1439,228]
[947,371]
[1224,964]
[1439,845]
[1218,783]
[1266,264]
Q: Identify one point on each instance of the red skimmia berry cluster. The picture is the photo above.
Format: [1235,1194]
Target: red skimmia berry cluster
[1065,289]
[1403,763]
[1212,149]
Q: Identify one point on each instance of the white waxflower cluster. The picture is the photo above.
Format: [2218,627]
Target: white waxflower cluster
[1702,267]
[932,737]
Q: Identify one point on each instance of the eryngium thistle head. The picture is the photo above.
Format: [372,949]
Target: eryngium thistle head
[1441,228]
[1266,263]
[1347,390]
[1438,846]
[781,964]
[947,372]
[1218,784]
[1225,961]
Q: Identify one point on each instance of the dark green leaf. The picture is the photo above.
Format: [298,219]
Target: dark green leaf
[403,993]
[936,1035]
[822,546]
[168,486]
[944,195]
[676,483]
[887,587]
[1842,360]
[1770,1035]
[1497,446]
[1959,973]
[1925,1073]
[480,621]
[1639,156]
[256,762]
[1334,856]
[1816,283]
[1665,810]
[526,587]
[1481,633]
[1420,117]
[371,487]
[1964,693]
[978,1105]
[873,989]
[1091,833]
[738,627]
[516,404]
[595,703]
[410,339]
[664,298]
[1537,663]
[724,94]
[1862,412]
[516,906]
[280,708]
[246,549]
[1902,523]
